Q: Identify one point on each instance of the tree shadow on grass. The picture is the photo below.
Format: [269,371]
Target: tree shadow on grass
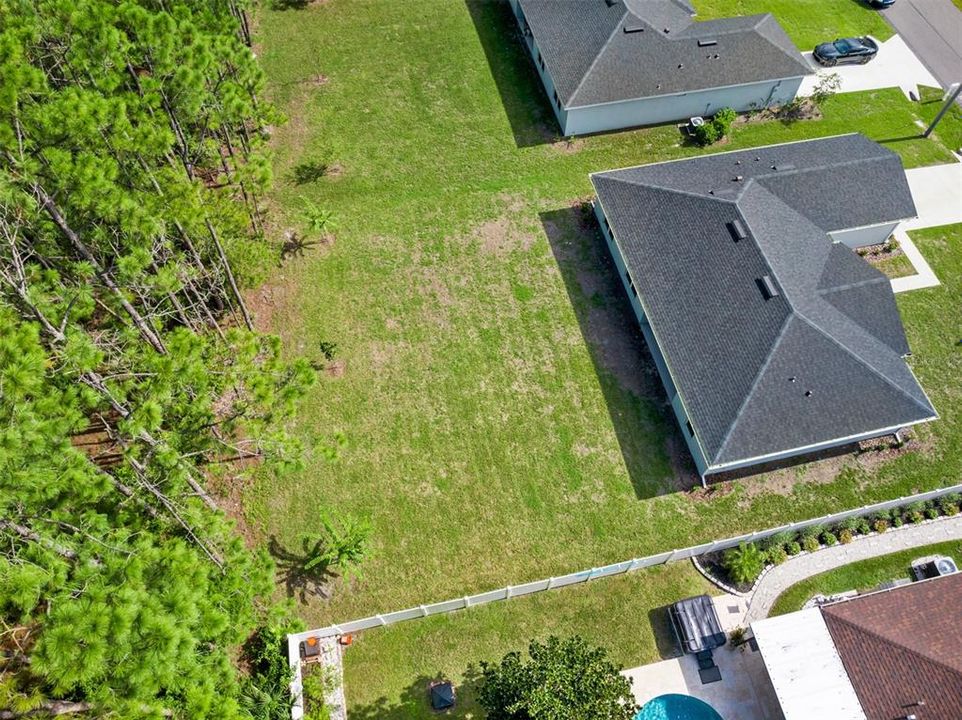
[654,452]
[299,580]
[414,702]
[522,94]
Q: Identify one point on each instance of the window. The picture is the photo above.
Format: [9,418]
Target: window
[691,430]
[557,100]
[631,283]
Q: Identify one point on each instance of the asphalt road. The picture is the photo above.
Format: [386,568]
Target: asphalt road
[933,30]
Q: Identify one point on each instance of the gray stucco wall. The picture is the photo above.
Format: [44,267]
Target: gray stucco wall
[860,237]
[669,108]
[676,402]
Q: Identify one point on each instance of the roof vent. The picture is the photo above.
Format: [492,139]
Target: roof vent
[612,3]
[737,230]
[667,30]
[808,393]
[786,166]
[631,27]
[707,43]
[738,178]
[767,286]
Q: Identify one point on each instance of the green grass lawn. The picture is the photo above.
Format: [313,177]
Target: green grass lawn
[807,22]
[626,614]
[861,576]
[494,410]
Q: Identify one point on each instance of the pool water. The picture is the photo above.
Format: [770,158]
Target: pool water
[677,707]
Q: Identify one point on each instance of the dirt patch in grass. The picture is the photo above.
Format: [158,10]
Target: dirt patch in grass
[335,369]
[502,236]
[568,146]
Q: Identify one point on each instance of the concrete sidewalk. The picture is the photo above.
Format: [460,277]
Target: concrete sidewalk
[781,577]
[937,192]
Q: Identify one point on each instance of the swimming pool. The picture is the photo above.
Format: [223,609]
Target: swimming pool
[677,707]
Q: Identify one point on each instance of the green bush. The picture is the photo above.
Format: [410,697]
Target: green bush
[862,527]
[779,539]
[845,536]
[813,531]
[744,563]
[716,128]
[932,513]
[793,548]
[880,525]
[916,516]
[829,539]
[777,555]
[810,543]
[916,507]
[947,507]
[706,134]
[847,524]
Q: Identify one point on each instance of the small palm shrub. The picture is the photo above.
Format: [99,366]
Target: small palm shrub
[880,525]
[829,539]
[793,548]
[810,544]
[915,517]
[845,536]
[744,563]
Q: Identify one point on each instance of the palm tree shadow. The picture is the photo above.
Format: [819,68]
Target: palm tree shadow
[299,579]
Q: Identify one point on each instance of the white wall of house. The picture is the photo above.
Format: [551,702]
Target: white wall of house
[539,65]
[676,402]
[869,235]
[670,108]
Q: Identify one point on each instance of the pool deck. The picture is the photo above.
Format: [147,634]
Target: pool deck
[743,693]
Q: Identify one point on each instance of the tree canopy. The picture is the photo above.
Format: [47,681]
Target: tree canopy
[562,679]
[132,162]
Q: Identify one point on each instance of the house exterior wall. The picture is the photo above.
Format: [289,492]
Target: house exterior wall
[676,402]
[539,65]
[669,108]
[860,237]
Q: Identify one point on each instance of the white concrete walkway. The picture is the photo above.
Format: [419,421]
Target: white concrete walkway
[895,65]
[794,570]
[937,192]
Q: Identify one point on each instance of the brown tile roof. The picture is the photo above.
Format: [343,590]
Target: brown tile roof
[903,646]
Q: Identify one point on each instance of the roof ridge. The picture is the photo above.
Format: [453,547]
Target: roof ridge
[654,186]
[796,55]
[754,385]
[888,381]
[600,53]
[821,168]
[889,641]
[850,286]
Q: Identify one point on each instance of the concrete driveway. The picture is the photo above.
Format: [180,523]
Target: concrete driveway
[894,66]
[933,29]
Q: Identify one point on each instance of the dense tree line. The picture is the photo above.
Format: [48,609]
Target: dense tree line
[132,167]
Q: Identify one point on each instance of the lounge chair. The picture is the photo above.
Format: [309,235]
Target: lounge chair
[710,675]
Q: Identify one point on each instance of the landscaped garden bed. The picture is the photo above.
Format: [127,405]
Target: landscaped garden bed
[889,258]
[738,569]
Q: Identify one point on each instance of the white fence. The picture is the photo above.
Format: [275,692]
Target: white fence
[620,568]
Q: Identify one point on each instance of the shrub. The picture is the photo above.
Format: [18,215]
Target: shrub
[777,555]
[813,531]
[880,525]
[744,563]
[932,513]
[706,134]
[723,120]
[916,516]
[847,524]
[897,521]
[917,506]
[862,527]
[793,548]
[810,544]
[947,507]
[829,539]
[845,536]
[779,539]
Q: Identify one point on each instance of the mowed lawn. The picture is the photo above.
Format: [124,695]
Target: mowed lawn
[493,409]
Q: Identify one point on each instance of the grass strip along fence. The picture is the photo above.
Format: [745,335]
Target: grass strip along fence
[512,591]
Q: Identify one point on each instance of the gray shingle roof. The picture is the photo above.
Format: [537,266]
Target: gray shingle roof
[822,358]
[598,52]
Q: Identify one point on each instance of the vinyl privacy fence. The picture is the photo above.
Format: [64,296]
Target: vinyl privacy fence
[620,568]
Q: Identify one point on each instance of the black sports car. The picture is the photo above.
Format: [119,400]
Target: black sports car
[846,50]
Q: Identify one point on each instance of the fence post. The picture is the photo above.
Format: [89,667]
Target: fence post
[507,592]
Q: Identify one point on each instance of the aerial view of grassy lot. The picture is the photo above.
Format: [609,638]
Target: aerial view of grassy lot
[491,407]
